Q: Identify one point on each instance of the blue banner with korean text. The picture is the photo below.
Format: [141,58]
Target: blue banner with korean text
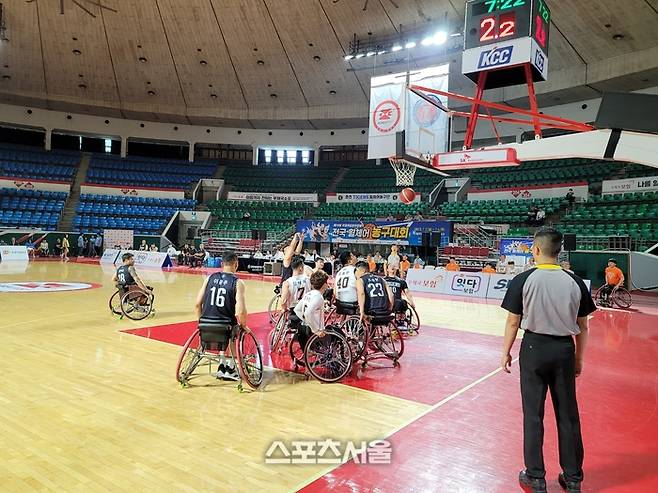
[400,232]
[516,247]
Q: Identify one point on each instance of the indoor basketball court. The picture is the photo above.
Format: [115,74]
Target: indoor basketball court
[430,138]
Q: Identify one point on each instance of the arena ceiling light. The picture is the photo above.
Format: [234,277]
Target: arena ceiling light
[370,53]
[396,48]
[348,57]
[410,44]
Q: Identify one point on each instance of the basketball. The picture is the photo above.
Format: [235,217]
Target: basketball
[407,196]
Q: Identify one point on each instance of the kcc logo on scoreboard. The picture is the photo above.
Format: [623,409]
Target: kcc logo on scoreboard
[496,57]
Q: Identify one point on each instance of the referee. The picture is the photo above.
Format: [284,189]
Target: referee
[551,305]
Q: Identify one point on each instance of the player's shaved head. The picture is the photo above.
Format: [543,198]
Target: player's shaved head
[549,242]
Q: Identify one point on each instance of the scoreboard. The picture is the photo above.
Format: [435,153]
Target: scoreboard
[501,36]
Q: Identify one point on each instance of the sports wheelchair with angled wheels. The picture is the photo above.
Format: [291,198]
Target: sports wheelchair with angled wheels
[384,339]
[327,358]
[207,345]
[345,316]
[619,296]
[133,302]
[274,307]
[406,318]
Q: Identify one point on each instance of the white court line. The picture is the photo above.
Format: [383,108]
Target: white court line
[443,401]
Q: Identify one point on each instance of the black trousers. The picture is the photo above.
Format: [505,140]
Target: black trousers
[549,363]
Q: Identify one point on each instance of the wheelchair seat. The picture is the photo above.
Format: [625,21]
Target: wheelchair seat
[216,332]
[380,318]
[346,308]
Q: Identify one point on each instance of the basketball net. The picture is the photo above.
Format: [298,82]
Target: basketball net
[404,171]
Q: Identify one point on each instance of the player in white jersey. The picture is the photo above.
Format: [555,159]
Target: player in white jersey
[295,287]
[345,286]
[310,310]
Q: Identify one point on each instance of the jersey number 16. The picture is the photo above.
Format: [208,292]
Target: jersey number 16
[217,296]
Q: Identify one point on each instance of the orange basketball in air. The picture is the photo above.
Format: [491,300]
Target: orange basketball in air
[407,196]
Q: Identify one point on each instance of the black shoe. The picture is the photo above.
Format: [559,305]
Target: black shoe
[569,486]
[221,371]
[531,485]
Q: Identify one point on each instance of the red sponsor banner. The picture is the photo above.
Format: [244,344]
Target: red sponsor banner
[128,191]
[29,184]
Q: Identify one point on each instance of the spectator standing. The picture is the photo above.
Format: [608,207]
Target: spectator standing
[58,247]
[65,248]
[372,266]
[551,306]
[393,259]
[81,245]
[404,266]
[99,245]
[571,198]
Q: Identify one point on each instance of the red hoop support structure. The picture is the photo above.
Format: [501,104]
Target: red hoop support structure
[535,119]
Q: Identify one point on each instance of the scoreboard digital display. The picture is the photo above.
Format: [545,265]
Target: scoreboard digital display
[501,37]
[493,21]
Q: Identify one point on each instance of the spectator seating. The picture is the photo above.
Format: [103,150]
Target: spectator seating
[19,162]
[466,251]
[546,172]
[273,217]
[144,215]
[279,178]
[634,214]
[499,211]
[31,208]
[149,172]
[353,210]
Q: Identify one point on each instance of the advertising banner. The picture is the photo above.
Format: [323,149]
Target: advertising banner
[11,252]
[580,190]
[367,198]
[110,256]
[516,249]
[273,197]
[469,284]
[400,232]
[642,184]
[163,193]
[147,259]
[498,286]
[29,184]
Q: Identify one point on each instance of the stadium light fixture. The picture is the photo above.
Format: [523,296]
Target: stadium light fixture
[410,44]
[427,41]
[396,48]
[360,55]
[440,38]
[382,52]
[370,53]
[348,57]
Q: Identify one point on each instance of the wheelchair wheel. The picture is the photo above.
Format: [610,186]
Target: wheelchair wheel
[622,298]
[137,304]
[249,358]
[277,334]
[274,308]
[413,320]
[328,358]
[115,303]
[388,340]
[357,336]
[189,358]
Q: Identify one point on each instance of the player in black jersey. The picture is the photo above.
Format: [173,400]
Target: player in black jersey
[374,295]
[401,296]
[126,275]
[221,301]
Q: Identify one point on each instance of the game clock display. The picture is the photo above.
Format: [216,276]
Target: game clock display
[494,21]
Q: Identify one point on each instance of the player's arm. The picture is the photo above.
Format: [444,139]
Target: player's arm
[198,306]
[581,343]
[410,299]
[300,243]
[136,277]
[314,316]
[285,296]
[361,297]
[240,304]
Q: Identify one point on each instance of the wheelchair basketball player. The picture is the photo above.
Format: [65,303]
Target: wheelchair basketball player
[402,297]
[126,277]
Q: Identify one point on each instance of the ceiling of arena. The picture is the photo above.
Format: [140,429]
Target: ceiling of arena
[280,63]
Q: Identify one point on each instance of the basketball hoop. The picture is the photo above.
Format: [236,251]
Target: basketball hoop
[404,171]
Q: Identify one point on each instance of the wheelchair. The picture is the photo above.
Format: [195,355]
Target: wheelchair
[203,349]
[134,303]
[408,316]
[327,359]
[345,316]
[274,308]
[383,339]
[619,296]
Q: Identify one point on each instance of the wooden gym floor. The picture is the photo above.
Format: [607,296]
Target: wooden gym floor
[89,402]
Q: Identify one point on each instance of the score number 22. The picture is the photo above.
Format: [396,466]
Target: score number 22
[506,28]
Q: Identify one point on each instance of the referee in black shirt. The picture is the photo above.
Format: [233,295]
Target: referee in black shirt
[551,305]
